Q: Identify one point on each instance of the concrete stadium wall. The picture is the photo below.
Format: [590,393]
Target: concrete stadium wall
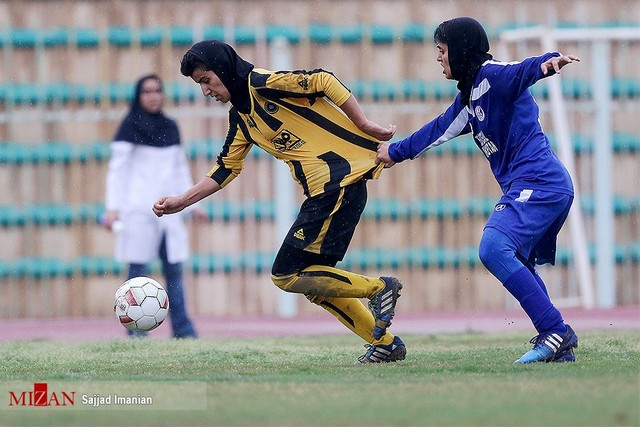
[68,69]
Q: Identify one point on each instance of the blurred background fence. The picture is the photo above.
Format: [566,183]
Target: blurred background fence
[67,75]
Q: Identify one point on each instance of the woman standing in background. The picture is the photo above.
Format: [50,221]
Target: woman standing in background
[147,160]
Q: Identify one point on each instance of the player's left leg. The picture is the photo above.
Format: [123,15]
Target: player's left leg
[519,231]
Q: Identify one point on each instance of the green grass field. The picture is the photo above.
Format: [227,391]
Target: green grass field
[446,380]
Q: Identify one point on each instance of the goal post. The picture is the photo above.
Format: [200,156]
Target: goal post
[599,41]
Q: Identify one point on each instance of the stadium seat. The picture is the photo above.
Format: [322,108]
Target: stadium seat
[214,32]
[86,37]
[243,35]
[150,36]
[56,37]
[416,33]
[350,34]
[120,36]
[181,36]
[97,266]
[382,34]
[291,34]
[320,33]
[22,38]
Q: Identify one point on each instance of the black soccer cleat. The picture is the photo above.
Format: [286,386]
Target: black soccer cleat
[383,305]
[384,353]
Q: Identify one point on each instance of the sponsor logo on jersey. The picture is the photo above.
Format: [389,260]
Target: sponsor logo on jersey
[286,141]
[485,144]
[500,207]
[479,113]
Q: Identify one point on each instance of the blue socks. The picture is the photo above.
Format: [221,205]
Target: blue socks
[531,293]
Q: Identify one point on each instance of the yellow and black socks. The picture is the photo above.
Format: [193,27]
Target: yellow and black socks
[352,313]
[328,281]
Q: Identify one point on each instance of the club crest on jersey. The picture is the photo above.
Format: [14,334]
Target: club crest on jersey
[270,107]
[286,141]
[480,113]
[500,207]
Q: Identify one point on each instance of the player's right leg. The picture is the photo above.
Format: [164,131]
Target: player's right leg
[317,240]
[355,316]
[321,279]
[337,291]
[555,340]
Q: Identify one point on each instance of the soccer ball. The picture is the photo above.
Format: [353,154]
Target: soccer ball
[141,304]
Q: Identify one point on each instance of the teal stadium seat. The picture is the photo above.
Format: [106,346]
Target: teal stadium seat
[416,33]
[150,37]
[350,34]
[179,92]
[119,36]
[56,37]
[320,33]
[244,35]
[291,34]
[382,34]
[24,38]
[214,32]
[97,266]
[86,37]
[181,36]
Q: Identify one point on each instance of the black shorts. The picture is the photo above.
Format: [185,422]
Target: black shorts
[324,227]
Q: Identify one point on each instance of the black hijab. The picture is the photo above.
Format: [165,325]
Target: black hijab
[229,67]
[468,47]
[142,127]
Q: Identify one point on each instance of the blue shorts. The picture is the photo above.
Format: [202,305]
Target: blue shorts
[532,219]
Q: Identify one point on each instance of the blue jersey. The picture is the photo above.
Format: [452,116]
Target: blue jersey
[503,117]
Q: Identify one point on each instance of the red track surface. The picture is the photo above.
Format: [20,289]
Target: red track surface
[98,329]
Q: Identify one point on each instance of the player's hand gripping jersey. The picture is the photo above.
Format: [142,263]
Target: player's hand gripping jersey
[293,117]
[503,117]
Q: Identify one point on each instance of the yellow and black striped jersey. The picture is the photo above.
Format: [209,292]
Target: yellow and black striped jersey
[294,118]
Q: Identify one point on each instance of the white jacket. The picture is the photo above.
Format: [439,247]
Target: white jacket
[137,176]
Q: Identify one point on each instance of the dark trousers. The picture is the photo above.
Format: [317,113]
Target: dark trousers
[181,324]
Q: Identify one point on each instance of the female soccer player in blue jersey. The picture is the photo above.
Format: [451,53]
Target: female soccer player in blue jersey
[495,105]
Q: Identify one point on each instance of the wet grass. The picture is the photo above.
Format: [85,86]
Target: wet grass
[448,379]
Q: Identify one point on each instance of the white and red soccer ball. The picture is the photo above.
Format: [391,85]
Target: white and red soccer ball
[141,304]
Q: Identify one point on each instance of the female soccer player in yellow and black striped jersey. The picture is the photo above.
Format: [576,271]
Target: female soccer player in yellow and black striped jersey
[296,117]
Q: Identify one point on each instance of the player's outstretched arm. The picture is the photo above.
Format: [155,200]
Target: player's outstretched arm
[173,204]
[557,62]
[354,112]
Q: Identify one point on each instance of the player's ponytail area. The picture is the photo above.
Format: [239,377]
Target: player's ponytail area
[300,371]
